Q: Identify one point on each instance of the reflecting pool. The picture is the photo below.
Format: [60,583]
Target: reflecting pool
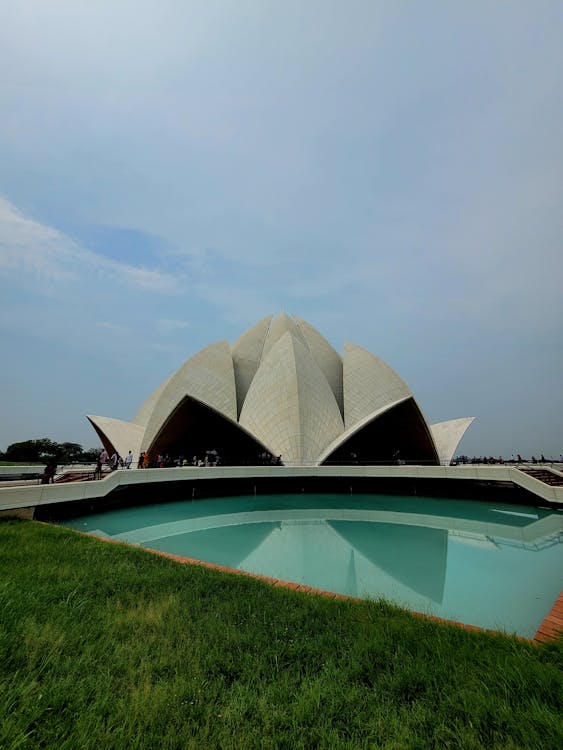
[493,565]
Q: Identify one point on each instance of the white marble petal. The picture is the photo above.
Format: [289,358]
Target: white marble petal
[326,357]
[119,435]
[356,427]
[279,326]
[369,384]
[207,377]
[247,352]
[290,406]
[144,413]
[447,436]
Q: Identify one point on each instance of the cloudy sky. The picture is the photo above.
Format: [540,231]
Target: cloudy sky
[173,171]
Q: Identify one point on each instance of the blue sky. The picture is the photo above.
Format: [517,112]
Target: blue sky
[392,172]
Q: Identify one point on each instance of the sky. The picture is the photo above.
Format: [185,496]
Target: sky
[392,172]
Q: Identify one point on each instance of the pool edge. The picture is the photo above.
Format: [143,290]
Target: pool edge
[549,630]
[552,626]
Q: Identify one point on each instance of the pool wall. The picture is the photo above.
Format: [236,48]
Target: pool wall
[501,484]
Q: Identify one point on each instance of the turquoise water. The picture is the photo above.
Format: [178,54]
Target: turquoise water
[493,565]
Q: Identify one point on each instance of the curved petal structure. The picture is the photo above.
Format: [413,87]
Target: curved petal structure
[355,428]
[369,384]
[117,435]
[326,357]
[208,377]
[279,326]
[143,415]
[281,389]
[193,429]
[290,406]
[395,433]
[247,352]
[447,436]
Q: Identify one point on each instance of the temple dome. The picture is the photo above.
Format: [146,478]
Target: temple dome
[282,391]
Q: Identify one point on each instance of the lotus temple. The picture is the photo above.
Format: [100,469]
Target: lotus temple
[282,391]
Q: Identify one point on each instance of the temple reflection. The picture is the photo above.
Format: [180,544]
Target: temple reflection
[356,551]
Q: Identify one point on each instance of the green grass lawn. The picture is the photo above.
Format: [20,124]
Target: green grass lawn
[103,646]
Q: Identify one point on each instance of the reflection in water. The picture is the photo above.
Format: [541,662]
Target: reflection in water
[422,570]
[474,562]
[351,579]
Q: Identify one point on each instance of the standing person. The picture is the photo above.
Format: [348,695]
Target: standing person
[98,471]
[128,460]
[141,461]
[104,456]
[49,473]
[114,461]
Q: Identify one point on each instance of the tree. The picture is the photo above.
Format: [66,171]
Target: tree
[90,455]
[69,452]
[43,449]
[32,451]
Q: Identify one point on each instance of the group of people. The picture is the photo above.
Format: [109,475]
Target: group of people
[515,458]
[115,461]
[165,461]
[148,460]
[155,461]
[266,459]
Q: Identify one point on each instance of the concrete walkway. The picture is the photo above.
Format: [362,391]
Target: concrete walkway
[32,496]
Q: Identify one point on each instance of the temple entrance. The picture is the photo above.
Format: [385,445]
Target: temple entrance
[400,435]
[195,430]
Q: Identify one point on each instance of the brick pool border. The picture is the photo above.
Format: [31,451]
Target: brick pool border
[549,630]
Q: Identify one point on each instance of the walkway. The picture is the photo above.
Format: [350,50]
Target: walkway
[32,496]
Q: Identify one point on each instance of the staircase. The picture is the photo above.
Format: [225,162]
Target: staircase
[544,475]
[75,476]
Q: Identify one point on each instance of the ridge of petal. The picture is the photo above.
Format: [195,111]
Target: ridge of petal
[117,434]
[279,326]
[447,436]
[357,426]
[326,357]
[369,384]
[207,377]
[290,406]
[396,431]
[144,413]
[247,352]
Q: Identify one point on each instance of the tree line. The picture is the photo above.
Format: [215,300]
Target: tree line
[43,450]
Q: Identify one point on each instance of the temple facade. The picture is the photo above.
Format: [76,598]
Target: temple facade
[282,393]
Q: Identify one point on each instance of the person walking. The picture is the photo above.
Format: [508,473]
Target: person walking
[128,460]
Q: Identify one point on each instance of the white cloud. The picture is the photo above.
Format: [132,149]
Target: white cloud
[106,325]
[166,325]
[44,253]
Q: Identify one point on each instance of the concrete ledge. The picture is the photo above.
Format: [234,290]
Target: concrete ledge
[38,495]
